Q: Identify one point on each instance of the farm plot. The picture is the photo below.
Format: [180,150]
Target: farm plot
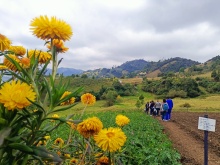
[188,139]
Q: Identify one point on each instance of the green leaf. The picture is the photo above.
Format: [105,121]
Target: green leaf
[62,108]
[73,94]
[4,133]
[48,90]
[38,105]
[34,61]
[14,139]
[45,154]
[42,70]
[59,119]
[3,121]
[21,147]
[18,66]
[19,77]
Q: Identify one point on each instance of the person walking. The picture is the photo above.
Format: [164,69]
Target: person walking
[170,104]
[147,106]
[152,104]
[164,110]
[157,106]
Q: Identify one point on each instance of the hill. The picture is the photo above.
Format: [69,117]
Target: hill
[150,69]
[66,71]
[143,68]
[204,69]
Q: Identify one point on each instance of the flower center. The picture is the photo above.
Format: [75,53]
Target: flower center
[110,134]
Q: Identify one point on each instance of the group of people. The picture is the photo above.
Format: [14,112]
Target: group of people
[157,108]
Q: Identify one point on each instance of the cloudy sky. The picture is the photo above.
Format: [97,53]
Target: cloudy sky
[108,33]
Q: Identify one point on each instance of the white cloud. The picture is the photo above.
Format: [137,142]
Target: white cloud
[110,32]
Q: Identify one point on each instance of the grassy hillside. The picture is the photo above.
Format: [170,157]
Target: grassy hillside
[136,80]
[87,83]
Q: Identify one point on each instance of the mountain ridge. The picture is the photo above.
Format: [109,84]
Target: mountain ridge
[140,67]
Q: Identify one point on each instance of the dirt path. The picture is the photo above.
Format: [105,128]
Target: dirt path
[191,149]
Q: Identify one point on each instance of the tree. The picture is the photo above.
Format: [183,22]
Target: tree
[84,76]
[111,97]
[215,75]
[138,104]
[141,98]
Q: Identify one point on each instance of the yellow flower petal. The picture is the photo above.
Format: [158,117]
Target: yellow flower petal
[53,28]
[122,120]
[111,139]
[89,127]
[4,43]
[14,95]
[9,64]
[18,50]
[88,99]
[68,102]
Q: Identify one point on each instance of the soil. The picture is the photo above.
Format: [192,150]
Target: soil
[188,140]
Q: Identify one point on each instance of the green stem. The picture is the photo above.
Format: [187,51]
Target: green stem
[83,112]
[109,157]
[24,162]
[54,60]
[70,135]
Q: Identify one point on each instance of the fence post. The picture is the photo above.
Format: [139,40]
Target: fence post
[205,145]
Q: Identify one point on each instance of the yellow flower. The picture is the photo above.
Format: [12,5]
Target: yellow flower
[122,120]
[55,116]
[68,102]
[111,139]
[14,95]
[73,161]
[4,43]
[67,156]
[59,142]
[103,161]
[35,110]
[18,50]
[89,127]
[59,153]
[41,143]
[9,64]
[25,62]
[47,137]
[60,48]
[88,98]
[50,28]
[3,67]
[71,124]
[43,57]
[98,155]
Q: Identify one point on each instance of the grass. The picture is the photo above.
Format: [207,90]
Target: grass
[208,104]
[131,80]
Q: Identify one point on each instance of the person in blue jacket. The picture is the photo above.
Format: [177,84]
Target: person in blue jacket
[170,103]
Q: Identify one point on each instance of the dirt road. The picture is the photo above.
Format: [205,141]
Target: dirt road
[183,131]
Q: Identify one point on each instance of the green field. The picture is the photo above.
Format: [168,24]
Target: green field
[146,143]
[210,103]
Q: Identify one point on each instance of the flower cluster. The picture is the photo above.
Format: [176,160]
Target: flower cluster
[29,99]
[31,106]
[109,140]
